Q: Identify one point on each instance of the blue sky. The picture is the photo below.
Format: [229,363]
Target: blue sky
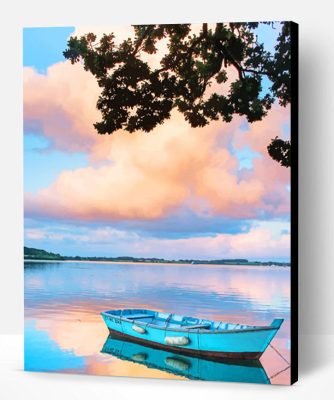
[44,46]
[44,163]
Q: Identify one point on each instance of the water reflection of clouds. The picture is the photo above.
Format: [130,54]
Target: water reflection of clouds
[62,346]
[74,346]
[204,291]
[82,334]
[37,343]
[66,300]
[269,288]
[34,282]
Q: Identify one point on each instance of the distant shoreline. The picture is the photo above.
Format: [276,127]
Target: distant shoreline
[250,264]
[39,255]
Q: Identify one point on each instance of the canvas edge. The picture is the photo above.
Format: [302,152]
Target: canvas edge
[294,202]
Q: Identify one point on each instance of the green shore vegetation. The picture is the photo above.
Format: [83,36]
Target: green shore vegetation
[31,254]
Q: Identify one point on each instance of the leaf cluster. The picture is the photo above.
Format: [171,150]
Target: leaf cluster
[136,96]
[280,150]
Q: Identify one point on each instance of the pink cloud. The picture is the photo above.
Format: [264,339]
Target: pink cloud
[151,175]
[274,178]
[147,176]
[63,104]
[258,243]
[35,234]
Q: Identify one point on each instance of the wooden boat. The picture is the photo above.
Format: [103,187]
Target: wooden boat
[189,335]
[190,367]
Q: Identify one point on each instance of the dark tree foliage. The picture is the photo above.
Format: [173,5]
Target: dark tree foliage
[280,150]
[136,96]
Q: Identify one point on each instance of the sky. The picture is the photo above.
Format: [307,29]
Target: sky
[177,192]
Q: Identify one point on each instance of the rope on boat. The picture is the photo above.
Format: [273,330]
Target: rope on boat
[167,320]
[283,358]
[279,372]
[279,354]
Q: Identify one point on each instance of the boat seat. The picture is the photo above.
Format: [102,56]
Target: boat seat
[138,316]
[199,326]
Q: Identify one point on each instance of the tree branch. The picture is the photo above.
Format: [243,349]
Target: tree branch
[185,55]
[144,36]
[228,56]
[205,30]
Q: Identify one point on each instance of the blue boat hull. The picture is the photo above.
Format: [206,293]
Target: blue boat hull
[248,343]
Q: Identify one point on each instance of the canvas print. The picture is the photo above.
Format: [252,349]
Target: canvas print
[160,181]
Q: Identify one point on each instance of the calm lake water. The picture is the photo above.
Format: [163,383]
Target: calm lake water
[64,331]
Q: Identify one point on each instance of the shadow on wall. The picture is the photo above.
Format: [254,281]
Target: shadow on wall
[315,294]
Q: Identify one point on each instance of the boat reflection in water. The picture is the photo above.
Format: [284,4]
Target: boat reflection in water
[250,371]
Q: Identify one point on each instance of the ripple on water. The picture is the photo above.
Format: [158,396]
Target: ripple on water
[64,300]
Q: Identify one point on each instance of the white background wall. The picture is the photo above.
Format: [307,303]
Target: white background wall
[316,274]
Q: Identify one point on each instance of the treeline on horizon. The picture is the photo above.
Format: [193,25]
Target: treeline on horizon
[39,254]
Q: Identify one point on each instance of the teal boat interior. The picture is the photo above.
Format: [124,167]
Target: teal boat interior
[174,321]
